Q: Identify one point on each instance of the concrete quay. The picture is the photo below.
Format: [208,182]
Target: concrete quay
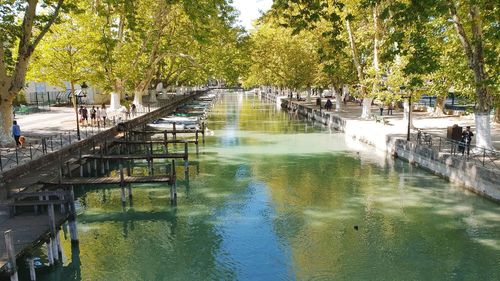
[390,138]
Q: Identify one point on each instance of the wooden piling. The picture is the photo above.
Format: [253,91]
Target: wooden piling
[173,187]
[58,241]
[103,172]
[95,167]
[197,142]
[72,218]
[68,167]
[31,265]
[63,206]
[50,255]
[52,227]
[165,143]
[203,132]
[89,169]
[80,161]
[186,163]
[9,246]
[122,184]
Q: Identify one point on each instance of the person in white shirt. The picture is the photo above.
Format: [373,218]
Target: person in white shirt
[103,114]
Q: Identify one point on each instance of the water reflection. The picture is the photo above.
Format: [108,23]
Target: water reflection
[275,198]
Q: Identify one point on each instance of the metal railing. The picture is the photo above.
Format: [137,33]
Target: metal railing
[11,157]
[48,99]
[480,156]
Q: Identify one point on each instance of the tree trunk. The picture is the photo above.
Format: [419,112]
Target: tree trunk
[6,121]
[115,102]
[138,99]
[338,99]
[152,96]
[483,131]
[497,115]
[366,113]
[308,94]
[475,58]
[367,108]
[406,113]
[439,108]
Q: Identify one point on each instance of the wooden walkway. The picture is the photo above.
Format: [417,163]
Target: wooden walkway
[106,180]
[136,156]
[155,132]
[27,231]
[122,141]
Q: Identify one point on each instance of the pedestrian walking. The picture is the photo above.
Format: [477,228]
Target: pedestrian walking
[133,110]
[16,133]
[80,112]
[93,113]
[381,107]
[85,115]
[390,108]
[103,114]
[467,139]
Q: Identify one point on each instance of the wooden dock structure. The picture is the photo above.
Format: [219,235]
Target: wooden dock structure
[24,231]
[37,216]
[108,180]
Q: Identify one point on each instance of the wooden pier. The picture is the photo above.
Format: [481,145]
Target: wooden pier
[37,215]
[108,180]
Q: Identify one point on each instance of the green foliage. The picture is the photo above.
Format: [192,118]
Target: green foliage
[280,59]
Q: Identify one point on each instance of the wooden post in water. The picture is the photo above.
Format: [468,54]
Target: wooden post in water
[80,161]
[186,163]
[62,198]
[31,265]
[102,161]
[122,184]
[95,167]
[89,168]
[129,171]
[61,167]
[11,254]
[52,227]
[203,131]
[72,218]
[165,143]
[173,187]
[59,251]
[50,255]
[196,141]
[68,167]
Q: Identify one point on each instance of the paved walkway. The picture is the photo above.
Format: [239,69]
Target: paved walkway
[421,120]
[48,131]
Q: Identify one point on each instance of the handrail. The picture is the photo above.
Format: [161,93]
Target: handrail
[481,156]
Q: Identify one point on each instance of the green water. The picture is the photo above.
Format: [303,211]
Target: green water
[275,198]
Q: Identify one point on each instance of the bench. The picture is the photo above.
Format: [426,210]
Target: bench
[381,119]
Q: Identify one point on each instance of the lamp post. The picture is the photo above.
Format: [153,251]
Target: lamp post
[76,94]
[75,103]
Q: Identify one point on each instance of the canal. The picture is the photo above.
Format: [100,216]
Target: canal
[277,198]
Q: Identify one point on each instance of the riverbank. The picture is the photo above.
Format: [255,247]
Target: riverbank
[477,173]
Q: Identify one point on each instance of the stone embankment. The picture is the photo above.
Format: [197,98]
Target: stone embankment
[390,139]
